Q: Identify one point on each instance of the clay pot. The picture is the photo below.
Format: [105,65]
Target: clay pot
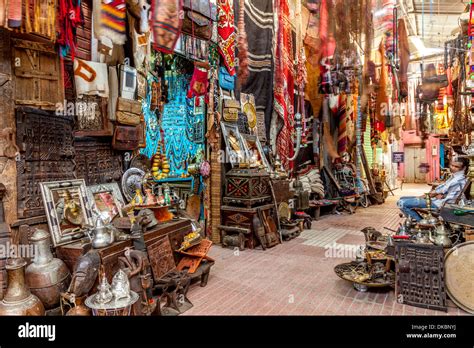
[18,299]
[47,276]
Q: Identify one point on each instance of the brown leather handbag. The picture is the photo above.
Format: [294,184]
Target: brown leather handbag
[196,25]
[126,138]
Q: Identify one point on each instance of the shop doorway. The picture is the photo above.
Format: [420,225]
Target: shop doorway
[414,157]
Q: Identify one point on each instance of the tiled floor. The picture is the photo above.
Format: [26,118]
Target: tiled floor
[297,277]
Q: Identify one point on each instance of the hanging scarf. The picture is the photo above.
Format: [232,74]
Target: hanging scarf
[259,30]
[342,130]
[226,34]
[70,17]
[166,22]
[243,72]
[404,57]
[109,20]
[14,13]
[284,82]
[328,47]
[382,96]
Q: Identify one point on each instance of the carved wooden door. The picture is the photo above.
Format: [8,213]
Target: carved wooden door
[37,73]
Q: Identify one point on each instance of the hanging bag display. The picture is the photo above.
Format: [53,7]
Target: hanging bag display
[197,25]
[128,112]
[199,82]
[226,81]
[198,19]
[126,138]
[230,110]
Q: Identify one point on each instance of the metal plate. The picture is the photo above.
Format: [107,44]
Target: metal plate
[131,180]
[459,275]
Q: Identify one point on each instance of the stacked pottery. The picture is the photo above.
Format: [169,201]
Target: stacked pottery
[47,277]
[18,299]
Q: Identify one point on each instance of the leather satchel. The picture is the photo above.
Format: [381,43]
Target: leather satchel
[231,109]
[128,112]
[126,138]
[197,25]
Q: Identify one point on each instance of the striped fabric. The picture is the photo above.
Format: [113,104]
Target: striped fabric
[259,28]
[112,20]
[14,13]
[342,134]
[284,83]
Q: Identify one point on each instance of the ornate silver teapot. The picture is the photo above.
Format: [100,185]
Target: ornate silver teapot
[441,237]
[103,236]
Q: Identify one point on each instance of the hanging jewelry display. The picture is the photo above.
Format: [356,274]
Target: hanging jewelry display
[151,120]
[195,119]
[179,121]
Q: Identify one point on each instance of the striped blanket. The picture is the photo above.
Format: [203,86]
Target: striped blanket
[259,28]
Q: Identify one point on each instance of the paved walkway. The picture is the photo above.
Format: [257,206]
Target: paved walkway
[296,278]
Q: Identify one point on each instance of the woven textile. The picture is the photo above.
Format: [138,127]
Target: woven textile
[259,28]
[110,20]
[14,13]
[284,82]
[226,34]
[342,131]
[166,22]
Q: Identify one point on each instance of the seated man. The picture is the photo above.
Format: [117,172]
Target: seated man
[447,192]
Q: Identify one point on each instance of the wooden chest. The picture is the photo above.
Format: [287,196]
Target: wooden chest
[247,186]
[175,231]
[70,253]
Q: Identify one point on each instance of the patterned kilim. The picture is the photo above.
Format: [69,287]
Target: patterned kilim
[166,22]
[284,82]
[342,135]
[226,34]
[259,29]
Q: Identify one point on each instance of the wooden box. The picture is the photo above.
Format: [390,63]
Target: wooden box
[70,253]
[247,187]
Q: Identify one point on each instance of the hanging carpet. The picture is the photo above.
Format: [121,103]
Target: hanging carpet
[259,29]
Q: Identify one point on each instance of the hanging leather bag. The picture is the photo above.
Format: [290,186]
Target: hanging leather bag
[126,138]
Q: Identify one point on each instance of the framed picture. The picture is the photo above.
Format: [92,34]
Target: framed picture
[107,200]
[68,208]
[255,152]
[235,148]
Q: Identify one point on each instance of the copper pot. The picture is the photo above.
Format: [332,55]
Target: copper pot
[80,308]
[47,276]
[18,299]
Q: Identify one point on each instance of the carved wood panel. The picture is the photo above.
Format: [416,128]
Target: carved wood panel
[96,161]
[37,73]
[161,257]
[46,154]
[7,120]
